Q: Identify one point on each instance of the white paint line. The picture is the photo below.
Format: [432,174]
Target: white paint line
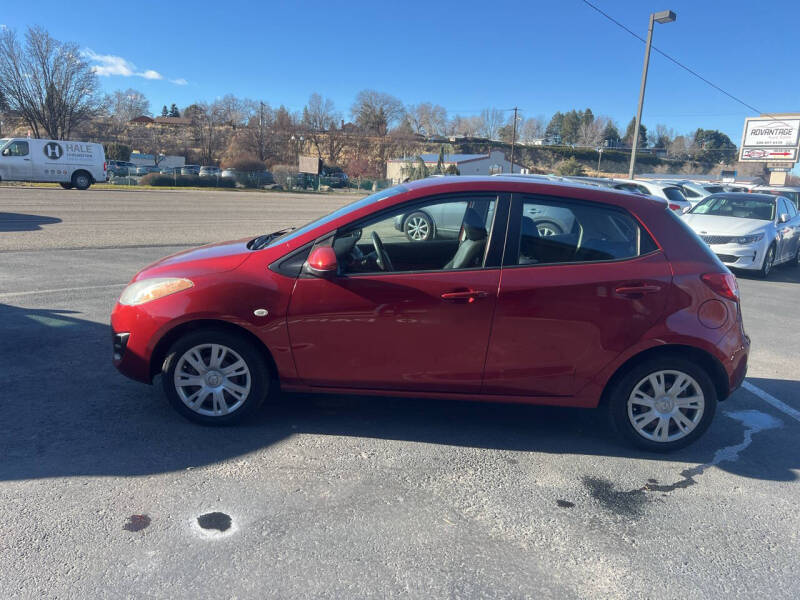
[753,421]
[57,290]
[770,399]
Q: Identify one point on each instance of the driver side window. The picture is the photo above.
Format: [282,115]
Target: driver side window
[434,235]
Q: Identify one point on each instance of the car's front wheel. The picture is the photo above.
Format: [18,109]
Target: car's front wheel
[769,261]
[215,377]
[663,404]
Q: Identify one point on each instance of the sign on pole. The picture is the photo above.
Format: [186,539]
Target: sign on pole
[310,164]
[771,139]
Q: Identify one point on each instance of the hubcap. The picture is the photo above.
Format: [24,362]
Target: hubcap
[212,379]
[769,260]
[666,406]
[417,228]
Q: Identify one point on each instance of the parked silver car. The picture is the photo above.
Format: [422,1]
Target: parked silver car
[666,191]
[748,231]
[210,172]
[190,170]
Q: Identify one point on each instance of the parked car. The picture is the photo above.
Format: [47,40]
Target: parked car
[335,180]
[792,193]
[748,231]
[249,178]
[228,173]
[70,164]
[190,170]
[120,168]
[210,172]
[666,191]
[693,191]
[577,319]
[145,170]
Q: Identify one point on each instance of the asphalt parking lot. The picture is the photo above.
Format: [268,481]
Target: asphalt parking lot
[102,484]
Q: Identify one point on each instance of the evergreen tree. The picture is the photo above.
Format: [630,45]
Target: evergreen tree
[554,126]
[570,126]
[173,110]
[164,111]
[628,139]
[611,135]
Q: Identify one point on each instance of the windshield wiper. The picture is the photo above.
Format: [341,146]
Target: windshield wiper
[263,240]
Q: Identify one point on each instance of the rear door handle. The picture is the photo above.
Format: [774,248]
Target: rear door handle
[637,290]
[466,296]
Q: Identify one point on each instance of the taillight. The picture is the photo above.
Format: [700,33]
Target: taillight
[677,207]
[105,166]
[723,284]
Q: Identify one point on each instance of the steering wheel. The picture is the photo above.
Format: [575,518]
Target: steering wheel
[380,253]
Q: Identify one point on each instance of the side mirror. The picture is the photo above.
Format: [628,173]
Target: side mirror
[687,209]
[783,218]
[6,152]
[322,262]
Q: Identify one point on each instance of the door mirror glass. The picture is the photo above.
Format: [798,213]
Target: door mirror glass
[322,262]
[783,218]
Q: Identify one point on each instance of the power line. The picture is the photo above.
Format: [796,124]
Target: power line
[668,57]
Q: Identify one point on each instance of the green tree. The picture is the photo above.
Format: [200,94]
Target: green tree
[117,151]
[587,118]
[570,126]
[570,167]
[553,129]
[440,163]
[610,135]
[164,111]
[714,146]
[173,111]
[628,139]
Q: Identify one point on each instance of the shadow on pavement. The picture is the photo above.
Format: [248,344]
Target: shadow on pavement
[67,412]
[784,273]
[20,222]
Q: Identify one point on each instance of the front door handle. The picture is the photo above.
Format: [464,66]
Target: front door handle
[466,296]
[637,290]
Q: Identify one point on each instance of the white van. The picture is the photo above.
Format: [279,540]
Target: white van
[71,164]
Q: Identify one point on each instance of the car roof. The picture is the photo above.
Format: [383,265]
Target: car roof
[742,196]
[500,183]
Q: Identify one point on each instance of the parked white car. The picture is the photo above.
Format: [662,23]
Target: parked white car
[793,193]
[71,164]
[748,231]
[694,191]
[210,172]
[666,191]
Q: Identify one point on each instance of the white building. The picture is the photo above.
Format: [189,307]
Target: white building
[467,164]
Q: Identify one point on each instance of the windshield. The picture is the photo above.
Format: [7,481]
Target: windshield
[741,208]
[345,210]
[3,142]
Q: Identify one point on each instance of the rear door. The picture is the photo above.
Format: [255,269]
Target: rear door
[570,303]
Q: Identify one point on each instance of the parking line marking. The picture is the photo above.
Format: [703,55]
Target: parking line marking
[770,399]
[56,290]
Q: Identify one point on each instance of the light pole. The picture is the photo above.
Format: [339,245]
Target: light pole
[664,16]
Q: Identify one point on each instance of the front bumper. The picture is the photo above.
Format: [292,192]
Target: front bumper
[738,256]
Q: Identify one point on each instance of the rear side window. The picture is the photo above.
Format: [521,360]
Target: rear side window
[555,231]
[674,194]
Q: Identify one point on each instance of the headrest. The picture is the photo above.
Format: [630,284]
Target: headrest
[474,228]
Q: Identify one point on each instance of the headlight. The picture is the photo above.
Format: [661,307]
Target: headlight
[750,239]
[146,290]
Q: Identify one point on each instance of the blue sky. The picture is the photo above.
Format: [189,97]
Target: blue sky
[540,56]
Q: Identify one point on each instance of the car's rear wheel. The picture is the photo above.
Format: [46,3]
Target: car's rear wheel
[769,261]
[796,261]
[215,377]
[663,404]
[66,186]
[418,227]
[81,180]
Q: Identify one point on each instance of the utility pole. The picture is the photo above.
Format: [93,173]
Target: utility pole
[513,139]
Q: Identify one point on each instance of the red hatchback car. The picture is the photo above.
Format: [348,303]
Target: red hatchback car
[625,307]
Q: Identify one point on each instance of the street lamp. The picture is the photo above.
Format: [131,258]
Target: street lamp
[664,16]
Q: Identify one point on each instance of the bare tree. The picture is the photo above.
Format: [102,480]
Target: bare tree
[465,126]
[590,133]
[207,120]
[48,82]
[319,117]
[532,129]
[491,122]
[258,135]
[126,105]
[427,119]
[376,112]
[664,136]
[232,111]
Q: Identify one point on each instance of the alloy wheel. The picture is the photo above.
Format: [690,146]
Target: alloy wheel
[546,230]
[666,406]
[212,380]
[417,228]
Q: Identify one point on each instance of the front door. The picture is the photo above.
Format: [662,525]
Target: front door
[16,160]
[402,314]
[571,301]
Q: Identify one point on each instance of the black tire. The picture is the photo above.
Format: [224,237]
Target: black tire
[618,395]
[66,186]
[260,384]
[81,180]
[769,262]
[418,227]
[548,228]
[796,262]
